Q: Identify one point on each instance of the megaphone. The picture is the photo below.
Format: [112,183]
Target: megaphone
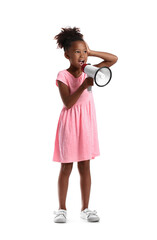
[101,76]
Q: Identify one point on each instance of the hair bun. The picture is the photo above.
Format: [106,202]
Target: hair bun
[68,35]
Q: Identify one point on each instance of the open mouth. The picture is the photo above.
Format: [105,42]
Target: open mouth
[81,62]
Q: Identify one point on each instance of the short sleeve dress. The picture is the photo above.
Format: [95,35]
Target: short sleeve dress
[76,135]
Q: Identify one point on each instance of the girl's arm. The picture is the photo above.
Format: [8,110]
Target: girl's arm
[109,59]
[70,100]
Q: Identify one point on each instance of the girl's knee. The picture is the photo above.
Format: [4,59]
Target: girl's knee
[66,168]
[83,166]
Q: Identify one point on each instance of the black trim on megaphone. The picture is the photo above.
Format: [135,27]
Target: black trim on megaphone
[108,80]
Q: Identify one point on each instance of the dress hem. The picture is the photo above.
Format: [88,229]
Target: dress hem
[78,160]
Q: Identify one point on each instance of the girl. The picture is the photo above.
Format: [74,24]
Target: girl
[76,135]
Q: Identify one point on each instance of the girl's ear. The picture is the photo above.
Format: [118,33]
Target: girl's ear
[66,55]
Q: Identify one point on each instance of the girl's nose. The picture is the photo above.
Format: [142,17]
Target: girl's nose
[82,54]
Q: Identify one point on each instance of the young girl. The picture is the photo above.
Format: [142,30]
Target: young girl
[76,135]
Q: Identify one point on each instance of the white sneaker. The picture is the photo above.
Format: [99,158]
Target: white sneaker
[90,216]
[60,216]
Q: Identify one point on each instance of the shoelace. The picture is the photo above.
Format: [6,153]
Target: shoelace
[59,213]
[89,212]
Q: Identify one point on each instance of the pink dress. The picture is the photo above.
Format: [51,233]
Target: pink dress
[76,136]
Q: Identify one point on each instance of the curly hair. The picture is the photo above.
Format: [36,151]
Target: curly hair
[67,36]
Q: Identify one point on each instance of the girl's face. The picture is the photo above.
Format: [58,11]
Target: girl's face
[77,54]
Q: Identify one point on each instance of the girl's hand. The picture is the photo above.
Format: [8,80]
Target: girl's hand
[109,59]
[87,82]
[88,49]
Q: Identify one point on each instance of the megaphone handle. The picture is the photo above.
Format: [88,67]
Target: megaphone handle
[89,88]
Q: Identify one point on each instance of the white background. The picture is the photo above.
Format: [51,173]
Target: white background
[124,175]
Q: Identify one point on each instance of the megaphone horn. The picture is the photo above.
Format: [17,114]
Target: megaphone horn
[101,76]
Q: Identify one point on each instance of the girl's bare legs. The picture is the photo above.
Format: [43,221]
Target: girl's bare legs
[63,181]
[85,182]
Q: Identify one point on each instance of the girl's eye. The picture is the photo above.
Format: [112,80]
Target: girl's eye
[77,51]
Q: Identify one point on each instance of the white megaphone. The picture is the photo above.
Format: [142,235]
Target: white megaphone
[101,76]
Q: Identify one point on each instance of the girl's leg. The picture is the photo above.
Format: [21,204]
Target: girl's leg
[63,181]
[85,182]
